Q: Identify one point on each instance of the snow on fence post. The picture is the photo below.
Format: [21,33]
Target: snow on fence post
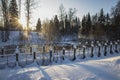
[99,54]
[111,52]
[74,55]
[83,52]
[92,49]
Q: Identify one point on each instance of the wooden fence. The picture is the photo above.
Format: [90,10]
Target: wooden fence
[57,53]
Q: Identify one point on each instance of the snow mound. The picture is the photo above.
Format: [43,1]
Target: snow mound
[117,61]
[100,69]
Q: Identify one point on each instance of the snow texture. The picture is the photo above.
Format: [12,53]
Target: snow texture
[104,68]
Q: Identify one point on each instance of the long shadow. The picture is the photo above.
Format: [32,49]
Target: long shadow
[21,76]
[46,76]
[100,73]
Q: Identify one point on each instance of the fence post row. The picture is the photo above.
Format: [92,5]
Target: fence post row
[111,46]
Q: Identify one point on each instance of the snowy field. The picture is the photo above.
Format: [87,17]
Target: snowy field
[104,68]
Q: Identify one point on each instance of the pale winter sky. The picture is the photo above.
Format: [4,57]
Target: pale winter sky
[49,8]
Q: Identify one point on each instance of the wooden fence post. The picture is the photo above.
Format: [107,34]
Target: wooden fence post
[17,56]
[2,52]
[99,54]
[63,53]
[111,52]
[105,49]
[84,52]
[30,49]
[50,56]
[74,55]
[92,49]
[51,49]
[116,45]
[34,54]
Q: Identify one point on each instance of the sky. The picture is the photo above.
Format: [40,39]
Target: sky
[46,9]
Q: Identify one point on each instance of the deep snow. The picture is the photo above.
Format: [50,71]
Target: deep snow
[102,68]
[105,68]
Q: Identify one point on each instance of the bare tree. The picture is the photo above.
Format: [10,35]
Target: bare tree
[5,12]
[62,12]
[19,8]
[71,13]
[29,5]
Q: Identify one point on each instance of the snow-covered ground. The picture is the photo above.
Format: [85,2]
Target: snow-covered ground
[104,68]
[14,38]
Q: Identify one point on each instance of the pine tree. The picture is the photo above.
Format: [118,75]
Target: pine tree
[13,9]
[101,18]
[62,13]
[13,12]
[67,25]
[107,19]
[38,26]
[83,30]
[88,24]
[56,27]
[115,29]
[94,22]
[100,26]
[5,13]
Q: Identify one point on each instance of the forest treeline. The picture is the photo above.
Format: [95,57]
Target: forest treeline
[98,26]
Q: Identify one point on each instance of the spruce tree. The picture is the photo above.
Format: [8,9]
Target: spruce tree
[101,18]
[88,24]
[38,26]
[13,12]
[13,9]
[56,27]
[83,30]
[107,23]
[116,21]
[67,25]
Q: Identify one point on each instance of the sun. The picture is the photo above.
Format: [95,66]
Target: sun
[22,21]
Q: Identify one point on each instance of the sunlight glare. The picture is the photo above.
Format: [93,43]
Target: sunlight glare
[22,22]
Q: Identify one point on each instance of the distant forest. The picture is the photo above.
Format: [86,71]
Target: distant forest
[99,25]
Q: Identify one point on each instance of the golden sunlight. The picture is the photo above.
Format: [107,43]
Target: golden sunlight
[22,22]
